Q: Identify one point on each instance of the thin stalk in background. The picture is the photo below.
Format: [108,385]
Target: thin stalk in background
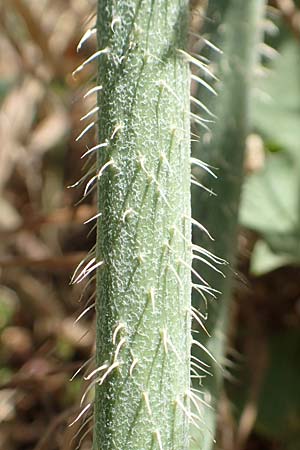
[234,26]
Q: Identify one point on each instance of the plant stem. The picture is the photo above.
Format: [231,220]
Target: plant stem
[143,239]
[236,28]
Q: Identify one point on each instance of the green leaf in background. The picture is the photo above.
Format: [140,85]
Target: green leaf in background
[5,86]
[9,303]
[264,260]
[270,207]
[270,197]
[279,403]
[270,201]
[276,103]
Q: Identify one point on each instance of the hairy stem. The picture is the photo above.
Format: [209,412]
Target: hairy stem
[235,27]
[143,239]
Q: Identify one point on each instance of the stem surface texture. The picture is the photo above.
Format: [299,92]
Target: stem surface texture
[144,232]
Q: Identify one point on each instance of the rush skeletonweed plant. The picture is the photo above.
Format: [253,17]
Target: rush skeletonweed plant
[143,255]
[143,177]
[236,26]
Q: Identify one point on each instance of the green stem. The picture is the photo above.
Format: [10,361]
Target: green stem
[143,239]
[236,29]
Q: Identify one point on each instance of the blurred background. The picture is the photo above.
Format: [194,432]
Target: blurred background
[43,238]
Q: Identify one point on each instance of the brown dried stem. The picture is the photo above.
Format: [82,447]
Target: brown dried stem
[38,35]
